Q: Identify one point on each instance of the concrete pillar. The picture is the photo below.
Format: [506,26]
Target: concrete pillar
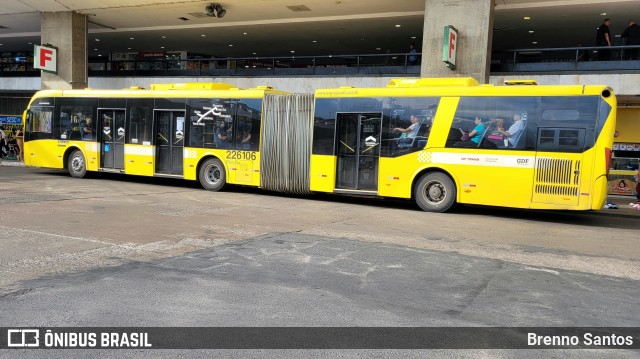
[66,31]
[474,21]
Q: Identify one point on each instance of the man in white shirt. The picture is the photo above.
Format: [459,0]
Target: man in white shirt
[513,133]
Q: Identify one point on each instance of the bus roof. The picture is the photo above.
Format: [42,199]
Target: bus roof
[172,90]
[462,86]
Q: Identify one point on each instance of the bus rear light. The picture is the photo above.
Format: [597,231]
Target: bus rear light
[607,156]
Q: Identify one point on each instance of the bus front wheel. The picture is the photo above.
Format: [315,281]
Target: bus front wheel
[435,192]
[76,164]
[212,175]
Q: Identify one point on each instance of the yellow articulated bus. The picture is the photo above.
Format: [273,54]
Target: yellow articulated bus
[436,141]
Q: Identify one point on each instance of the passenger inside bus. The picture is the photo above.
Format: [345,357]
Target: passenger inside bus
[245,138]
[223,135]
[514,132]
[410,131]
[472,138]
[87,128]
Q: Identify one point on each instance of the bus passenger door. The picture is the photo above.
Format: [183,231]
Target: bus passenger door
[169,141]
[358,151]
[111,135]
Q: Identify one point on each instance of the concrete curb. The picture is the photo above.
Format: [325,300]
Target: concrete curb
[8,163]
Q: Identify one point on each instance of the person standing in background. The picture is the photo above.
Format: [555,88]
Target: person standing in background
[631,36]
[603,38]
[413,57]
[637,179]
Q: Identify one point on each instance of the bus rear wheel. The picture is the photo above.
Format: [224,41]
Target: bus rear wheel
[212,175]
[435,192]
[76,164]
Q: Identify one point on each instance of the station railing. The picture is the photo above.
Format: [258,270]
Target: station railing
[615,59]
[567,60]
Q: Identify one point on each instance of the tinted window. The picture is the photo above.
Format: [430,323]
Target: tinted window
[495,122]
[211,123]
[575,113]
[406,124]
[248,124]
[39,123]
[324,126]
[140,112]
[76,119]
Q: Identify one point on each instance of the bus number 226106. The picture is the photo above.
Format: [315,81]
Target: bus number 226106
[241,155]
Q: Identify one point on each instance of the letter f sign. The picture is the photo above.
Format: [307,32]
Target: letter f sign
[45,58]
[452,45]
[45,55]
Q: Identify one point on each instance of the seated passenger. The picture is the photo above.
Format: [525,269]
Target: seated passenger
[222,136]
[245,140]
[473,138]
[87,128]
[514,131]
[410,131]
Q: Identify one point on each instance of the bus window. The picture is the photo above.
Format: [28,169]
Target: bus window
[324,126]
[248,119]
[414,116]
[40,123]
[72,120]
[564,112]
[494,123]
[211,122]
[140,121]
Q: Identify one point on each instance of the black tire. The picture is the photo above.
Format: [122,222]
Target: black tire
[435,192]
[212,175]
[76,164]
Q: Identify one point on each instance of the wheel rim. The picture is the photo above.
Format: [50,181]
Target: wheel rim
[435,192]
[213,175]
[77,164]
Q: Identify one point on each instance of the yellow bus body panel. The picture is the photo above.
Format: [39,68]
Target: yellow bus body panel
[323,173]
[139,160]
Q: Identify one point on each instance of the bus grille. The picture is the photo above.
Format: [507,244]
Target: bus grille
[556,176]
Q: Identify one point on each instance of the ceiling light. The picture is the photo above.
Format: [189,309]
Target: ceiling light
[203,35]
[534,42]
[315,41]
[162,47]
[131,38]
[128,48]
[293,52]
[164,37]
[97,39]
[413,37]
[531,31]
[215,10]
[244,33]
[398,25]
[230,45]
[95,49]
[527,18]
[604,14]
